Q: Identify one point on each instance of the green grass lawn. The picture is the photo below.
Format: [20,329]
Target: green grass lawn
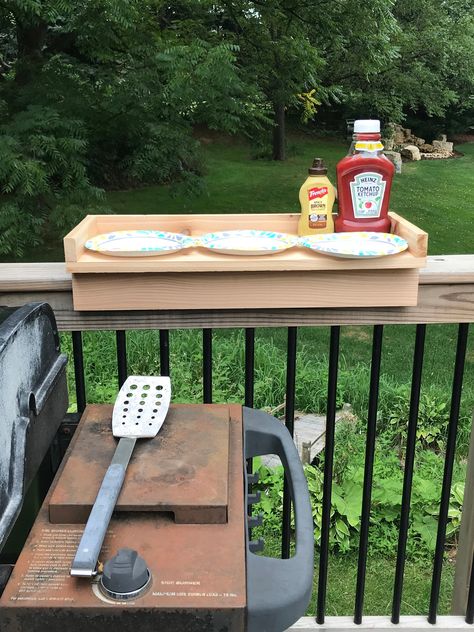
[380,571]
[436,195]
[379,587]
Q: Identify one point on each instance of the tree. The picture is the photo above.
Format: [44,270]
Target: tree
[100,94]
[433,67]
[290,46]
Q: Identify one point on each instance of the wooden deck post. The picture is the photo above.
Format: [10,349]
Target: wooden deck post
[466,538]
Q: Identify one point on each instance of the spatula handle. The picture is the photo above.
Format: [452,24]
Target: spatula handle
[87,554]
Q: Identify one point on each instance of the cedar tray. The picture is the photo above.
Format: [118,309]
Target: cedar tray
[196,278]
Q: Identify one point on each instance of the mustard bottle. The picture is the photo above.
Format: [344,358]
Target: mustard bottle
[317,196]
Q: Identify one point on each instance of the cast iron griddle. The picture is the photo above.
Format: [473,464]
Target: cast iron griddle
[184,469]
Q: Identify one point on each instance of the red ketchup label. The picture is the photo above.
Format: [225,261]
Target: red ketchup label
[317,192]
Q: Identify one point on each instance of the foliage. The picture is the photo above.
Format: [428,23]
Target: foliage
[432,422]
[386,500]
[290,50]
[432,70]
[106,94]
[43,176]
[99,94]
[270,374]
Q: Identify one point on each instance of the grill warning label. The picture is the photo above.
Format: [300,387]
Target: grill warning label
[46,577]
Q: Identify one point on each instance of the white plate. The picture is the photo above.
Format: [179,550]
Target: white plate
[247,242]
[138,243]
[357,245]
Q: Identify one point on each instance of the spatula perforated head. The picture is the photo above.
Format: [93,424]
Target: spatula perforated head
[141,406]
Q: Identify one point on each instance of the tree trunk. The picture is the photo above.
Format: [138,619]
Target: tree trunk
[279,132]
[30,37]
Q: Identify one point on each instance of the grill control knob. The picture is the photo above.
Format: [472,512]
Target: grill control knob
[125,576]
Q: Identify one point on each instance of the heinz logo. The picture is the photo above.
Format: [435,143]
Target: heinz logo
[317,192]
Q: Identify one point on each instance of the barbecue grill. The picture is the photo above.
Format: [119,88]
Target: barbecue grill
[33,401]
[177,554]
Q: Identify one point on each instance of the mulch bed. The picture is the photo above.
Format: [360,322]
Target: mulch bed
[462,138]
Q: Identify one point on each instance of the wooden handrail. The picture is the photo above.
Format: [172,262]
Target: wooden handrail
[446,295]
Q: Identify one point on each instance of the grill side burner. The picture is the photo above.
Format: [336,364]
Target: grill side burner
[203,576]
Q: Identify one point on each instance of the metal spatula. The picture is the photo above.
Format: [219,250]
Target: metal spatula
[139,412]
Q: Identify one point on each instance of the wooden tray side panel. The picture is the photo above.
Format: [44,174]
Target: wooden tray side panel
[77,237]
[416,237]
[194,260]
[367,288]
[200,224]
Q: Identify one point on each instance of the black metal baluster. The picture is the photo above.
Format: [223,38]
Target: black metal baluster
[122,371]
[249,366]
[470,597]
[328,469]
[368,470]
[79,370]
[289,422]
[207,365]
[164,352]
[448,469]
[249,386]
[408,475]
[249,395]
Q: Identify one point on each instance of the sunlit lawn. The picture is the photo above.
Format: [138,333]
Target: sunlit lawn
[436,195]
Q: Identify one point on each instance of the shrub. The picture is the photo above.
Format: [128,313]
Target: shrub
[42,177]
[385,509]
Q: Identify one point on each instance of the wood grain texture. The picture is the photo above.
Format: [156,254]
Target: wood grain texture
[198,259]
[28,277]
[466,539]
[54,276]
[201,223]
[297,277]
[416,237]
[375,624]
[192,260]
[448,269]
[75,240]
[231,290]
[437,303]
[446,294]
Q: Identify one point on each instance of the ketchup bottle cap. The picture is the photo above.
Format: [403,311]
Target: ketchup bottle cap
[367,126]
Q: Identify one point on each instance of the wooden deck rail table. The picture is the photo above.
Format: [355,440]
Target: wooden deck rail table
[446,295]
[197,278]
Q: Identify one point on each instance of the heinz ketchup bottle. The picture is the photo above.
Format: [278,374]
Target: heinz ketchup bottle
[364,180]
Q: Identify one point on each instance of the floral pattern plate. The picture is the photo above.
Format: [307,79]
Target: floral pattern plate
[247,242]
[139,243]
[355,245]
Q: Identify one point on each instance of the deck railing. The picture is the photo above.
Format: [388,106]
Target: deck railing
[446,296]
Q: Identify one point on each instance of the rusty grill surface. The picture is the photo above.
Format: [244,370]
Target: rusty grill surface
[198,570]
[184,469]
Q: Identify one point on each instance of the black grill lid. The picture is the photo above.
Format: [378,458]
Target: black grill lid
[33,400]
